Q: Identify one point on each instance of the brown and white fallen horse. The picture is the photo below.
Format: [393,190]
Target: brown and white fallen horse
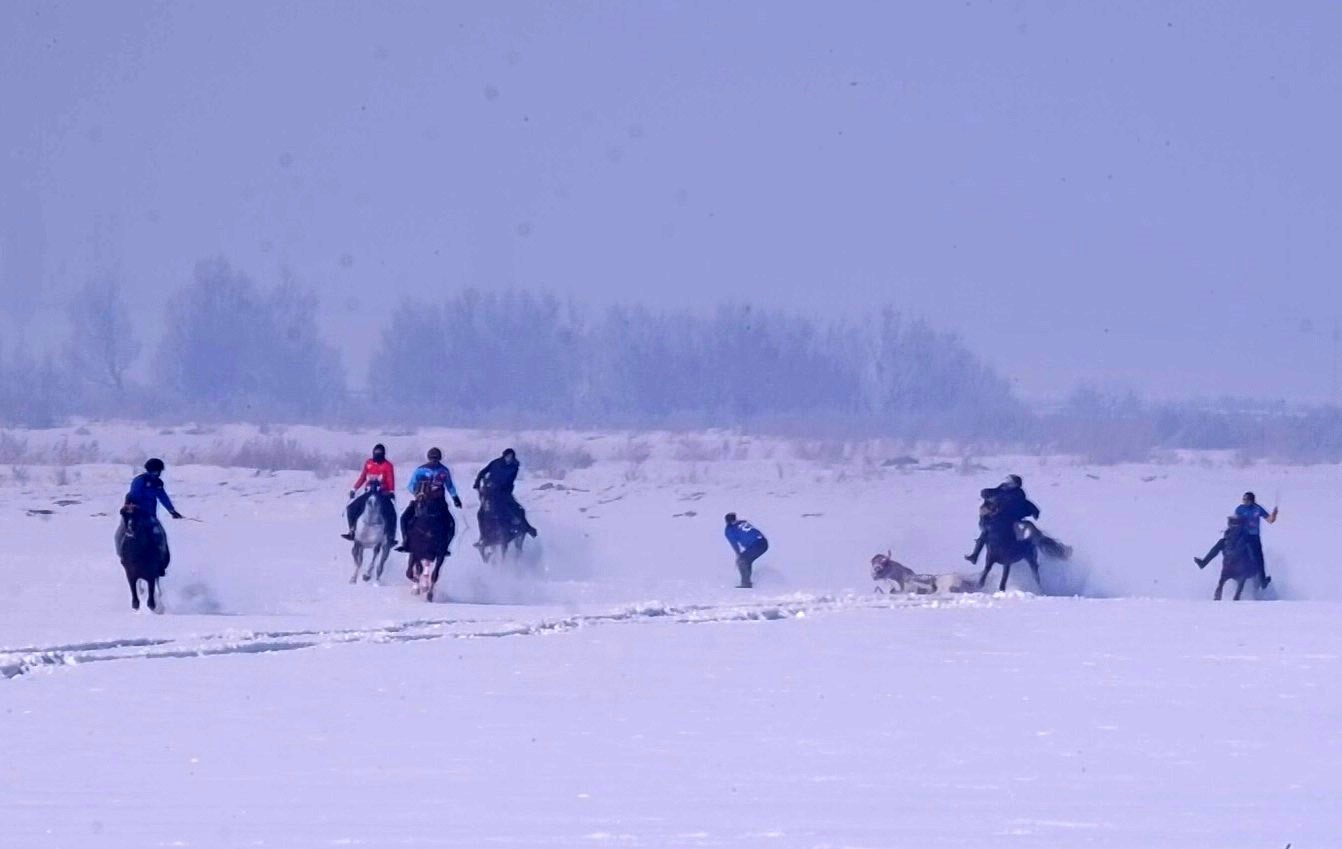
[891,577]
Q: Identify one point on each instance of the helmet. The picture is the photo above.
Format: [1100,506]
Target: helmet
[154,466]
[730,518]
[435,455]
[379,448]
[1249,497]
[1014,481]
[508,452]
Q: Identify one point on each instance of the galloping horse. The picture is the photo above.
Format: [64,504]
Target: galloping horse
[1011,543]
[500,527]
[429,541]
[142,547]
[371,534]
[1238,562]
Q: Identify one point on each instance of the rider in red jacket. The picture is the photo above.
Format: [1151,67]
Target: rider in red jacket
[377,470]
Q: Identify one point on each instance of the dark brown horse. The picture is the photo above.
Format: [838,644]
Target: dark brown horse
[429,541]
[1238,562]
[1010,543]
[501,526]
[142,547]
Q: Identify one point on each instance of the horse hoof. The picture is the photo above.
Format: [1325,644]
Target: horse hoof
[135,605]
[354,580]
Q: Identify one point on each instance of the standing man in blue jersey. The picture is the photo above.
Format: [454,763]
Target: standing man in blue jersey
[748,544]
[1250,513]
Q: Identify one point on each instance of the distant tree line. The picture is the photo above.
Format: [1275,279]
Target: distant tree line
[235,350]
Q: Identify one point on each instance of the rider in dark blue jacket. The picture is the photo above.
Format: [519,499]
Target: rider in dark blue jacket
[748,542]
[141,504]
[496,481]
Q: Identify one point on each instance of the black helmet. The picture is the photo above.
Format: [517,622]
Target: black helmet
[1015,481]
[379,448]
[435,454]
[730,518]
[508,452]
[1249,497]
[154,466]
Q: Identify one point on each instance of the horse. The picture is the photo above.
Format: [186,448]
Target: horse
[142,547]
[500,527]
[1009,544]
[891,576]
[1238,564]
[429,541]
[371,534]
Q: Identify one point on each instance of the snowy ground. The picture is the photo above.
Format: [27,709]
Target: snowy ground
[617,691]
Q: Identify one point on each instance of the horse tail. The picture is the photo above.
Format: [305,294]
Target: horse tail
[1051,547]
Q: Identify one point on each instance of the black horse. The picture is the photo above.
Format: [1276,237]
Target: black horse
[142,547]
[1238,562]
[1009,543]
[429,541]
[501,526]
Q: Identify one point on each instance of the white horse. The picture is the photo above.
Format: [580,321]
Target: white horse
[371,534]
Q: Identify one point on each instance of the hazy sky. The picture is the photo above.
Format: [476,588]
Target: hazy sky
[1136,195]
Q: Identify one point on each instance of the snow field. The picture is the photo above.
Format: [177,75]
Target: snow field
[616,690]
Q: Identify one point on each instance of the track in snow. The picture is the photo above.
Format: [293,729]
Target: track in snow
[21,661]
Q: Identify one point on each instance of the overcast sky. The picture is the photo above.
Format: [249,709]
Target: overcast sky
[1133,195]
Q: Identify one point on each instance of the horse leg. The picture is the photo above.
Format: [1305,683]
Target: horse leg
[987,568]
[1033,559]
[1220,586]
[433,578]
[381,555]
[134,588]
[372,559]
[1006,573]
[153,594]
[357,554]
[1239,587]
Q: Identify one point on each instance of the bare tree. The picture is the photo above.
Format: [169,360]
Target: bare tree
[102,345]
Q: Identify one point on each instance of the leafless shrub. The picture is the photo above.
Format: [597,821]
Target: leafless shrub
[554,461]
[13,449]
[701,449]
[635,451]
[826,452]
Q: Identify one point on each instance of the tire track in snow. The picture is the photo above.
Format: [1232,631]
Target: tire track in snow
[21,661]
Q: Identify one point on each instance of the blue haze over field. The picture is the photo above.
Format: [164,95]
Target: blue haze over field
[1135,195]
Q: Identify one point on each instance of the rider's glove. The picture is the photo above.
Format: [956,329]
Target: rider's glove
[457,502]
[351,495]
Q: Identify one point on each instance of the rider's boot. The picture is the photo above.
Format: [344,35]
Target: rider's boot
[349,536]
[973,556]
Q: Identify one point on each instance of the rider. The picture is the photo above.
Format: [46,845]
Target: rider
[377,470]
[432,475]
[749,544]
[1003,506]
[1250,512]
[146,493]
[496,480]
